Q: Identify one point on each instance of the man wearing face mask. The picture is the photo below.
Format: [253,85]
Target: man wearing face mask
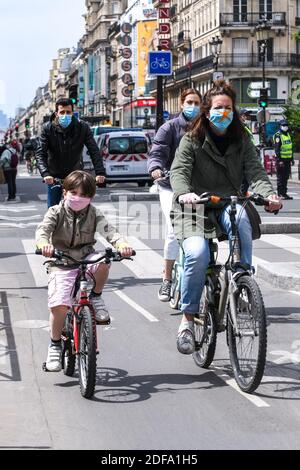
[160,160]
[60,149]
[284,158]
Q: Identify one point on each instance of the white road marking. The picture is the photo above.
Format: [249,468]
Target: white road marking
[19,219]
[284,242]
[19,225]
[294,292]
[36,263]
[136,306]
[146,264]
[23,208]
[42,197]
[257,401]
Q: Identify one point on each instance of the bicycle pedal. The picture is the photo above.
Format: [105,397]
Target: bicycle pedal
[103,322]
[44,367]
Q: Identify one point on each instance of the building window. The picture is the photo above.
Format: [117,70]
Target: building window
[239,11]
[265,8]
[240,51]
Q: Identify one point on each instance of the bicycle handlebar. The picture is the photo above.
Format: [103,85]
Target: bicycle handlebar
[109,254]
[254,197]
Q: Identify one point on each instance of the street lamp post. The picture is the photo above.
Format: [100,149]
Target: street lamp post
[131,88]
[113,96]
[263,31]
[103,101]
[216,44]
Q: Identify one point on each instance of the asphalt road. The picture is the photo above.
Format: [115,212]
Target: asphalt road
[147,396]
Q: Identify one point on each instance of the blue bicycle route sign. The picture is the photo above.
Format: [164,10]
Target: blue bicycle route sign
[160,63]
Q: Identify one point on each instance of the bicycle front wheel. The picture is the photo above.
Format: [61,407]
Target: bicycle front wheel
[87,359]
[205,332]
[248,346]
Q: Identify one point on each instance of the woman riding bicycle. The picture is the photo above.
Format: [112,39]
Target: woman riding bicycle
[160,159]
[70,227]
[214,157]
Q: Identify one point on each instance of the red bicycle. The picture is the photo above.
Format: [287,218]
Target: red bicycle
[79,336]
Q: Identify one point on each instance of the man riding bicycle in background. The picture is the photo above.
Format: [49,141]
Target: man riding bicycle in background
[70,227]
[60,149]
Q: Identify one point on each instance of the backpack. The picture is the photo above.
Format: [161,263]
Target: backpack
[14,160]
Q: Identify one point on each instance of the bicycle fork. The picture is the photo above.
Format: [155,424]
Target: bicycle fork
[232,290]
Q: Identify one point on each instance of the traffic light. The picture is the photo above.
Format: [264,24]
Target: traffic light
[73,96]
[263,97]
[17,127]
[27,123]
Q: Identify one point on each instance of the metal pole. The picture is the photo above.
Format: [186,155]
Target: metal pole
[131,115]
[159,102]
[264,81]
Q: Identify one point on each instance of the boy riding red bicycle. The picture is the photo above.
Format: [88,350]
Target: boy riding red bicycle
[70,227]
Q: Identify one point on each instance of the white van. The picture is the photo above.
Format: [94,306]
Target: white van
[125,156]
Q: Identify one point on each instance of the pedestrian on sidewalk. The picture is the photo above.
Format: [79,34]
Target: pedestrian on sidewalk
[284,158]
[60,149]
[9,161]
[160,159]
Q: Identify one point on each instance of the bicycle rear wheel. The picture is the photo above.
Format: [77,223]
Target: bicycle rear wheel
[87,360]
[248,348]
[205,332]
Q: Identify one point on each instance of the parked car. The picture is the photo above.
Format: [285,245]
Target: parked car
[125,156]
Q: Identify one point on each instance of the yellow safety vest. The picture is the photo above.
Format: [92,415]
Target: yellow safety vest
[249,132]
[286,150]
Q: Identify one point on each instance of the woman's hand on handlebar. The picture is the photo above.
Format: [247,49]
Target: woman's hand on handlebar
[157,174]
[47,250]
[188,198]
[275,203]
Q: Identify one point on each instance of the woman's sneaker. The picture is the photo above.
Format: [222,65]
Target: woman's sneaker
[164,293]
[53,363]
[101,312]
[186,338]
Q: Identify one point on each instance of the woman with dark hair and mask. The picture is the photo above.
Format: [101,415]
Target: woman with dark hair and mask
[214,157]
[160,160]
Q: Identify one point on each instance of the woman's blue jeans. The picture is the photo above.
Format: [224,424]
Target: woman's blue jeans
[196,253]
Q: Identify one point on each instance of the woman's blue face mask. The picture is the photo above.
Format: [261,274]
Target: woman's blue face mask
[191,112]
[65,120]
[221,118]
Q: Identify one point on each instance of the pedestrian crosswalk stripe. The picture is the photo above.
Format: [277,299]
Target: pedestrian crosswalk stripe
[35,263]
[285,242]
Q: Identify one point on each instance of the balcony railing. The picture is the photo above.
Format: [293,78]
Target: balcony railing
[251,19]
[254,60]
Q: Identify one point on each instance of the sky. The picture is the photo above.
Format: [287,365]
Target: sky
[31,32]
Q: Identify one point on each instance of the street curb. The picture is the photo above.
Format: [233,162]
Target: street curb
[272,229]
[268,272]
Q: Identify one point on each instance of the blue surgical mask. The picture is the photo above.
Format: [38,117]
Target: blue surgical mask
[221,118]
[65,120]
[191,112]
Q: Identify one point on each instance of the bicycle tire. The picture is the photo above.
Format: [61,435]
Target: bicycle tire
[87,357]
[68,358]
[205,334]
[251,316]
[175,292]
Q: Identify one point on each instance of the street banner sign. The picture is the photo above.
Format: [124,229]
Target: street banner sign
[160,63]
[258,85]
